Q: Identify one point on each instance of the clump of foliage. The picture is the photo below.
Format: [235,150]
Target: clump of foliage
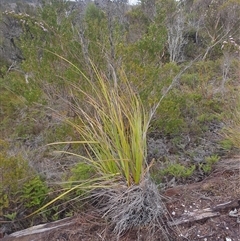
[34,192]
[227,144]
[20,184]
[209,162]
[82,171]
[14,171]
[118,130]
[113,125]
[178,170]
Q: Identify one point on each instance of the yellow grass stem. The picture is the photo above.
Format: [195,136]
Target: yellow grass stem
[115,129]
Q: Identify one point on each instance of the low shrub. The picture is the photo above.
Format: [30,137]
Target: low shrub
[178,170]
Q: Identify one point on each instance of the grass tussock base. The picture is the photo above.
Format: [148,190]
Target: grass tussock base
[136,207]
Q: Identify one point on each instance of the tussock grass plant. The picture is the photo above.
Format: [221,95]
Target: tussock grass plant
[114,128]
[112,124]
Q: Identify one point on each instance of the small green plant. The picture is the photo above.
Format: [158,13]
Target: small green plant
[34,192]
[209,162]
[82,171]
[4,202]
[14,171]
[11,216]
[18,184]
[212,159]
[178,170]
[206,117]
[227,144]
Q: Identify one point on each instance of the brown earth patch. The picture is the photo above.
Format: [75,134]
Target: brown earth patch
[220,193]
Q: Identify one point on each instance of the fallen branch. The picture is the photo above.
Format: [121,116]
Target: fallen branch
[194,216]
[205,213]
[39,232]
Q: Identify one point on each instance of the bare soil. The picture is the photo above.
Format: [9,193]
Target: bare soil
[221,193]
[190,205]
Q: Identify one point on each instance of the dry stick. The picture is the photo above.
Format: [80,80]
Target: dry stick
[205,213]
[194,216]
